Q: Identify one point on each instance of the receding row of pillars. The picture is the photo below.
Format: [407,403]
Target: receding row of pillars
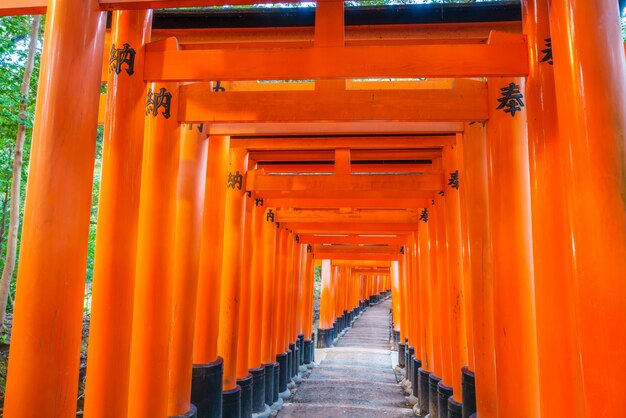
[514,278]
[344,294]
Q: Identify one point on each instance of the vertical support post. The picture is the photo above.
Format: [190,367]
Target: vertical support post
[244,377]
[232,260]
[189,206]
[106,392]
[560,375]
[395,300]
[511,241]
[270,287]
[440,218]
[477,209]
[206,387]
[590,81]
[149,357]
[324,333]
[456,293]
[255,365]
[45,343]
[426,321]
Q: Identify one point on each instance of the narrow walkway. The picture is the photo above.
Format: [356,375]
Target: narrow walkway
[354,378]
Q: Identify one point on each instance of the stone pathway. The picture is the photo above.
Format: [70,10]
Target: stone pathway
[355,378]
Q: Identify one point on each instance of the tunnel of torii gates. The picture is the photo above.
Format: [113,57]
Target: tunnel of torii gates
[474,168]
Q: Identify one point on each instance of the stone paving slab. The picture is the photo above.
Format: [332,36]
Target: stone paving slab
[355,378]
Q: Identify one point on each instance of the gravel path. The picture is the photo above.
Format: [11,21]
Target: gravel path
[354,378]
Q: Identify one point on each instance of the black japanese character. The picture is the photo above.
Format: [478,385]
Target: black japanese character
[121,56]
[511,100]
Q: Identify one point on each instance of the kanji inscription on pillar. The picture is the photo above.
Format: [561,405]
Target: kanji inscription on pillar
[453,181]
[424,215]
[547,53]
[511,100]
[218,87]
[156,101]
[269,217]
[120,57]
[235,180]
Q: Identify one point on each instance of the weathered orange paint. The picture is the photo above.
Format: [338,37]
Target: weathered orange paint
[189,206]
[211,248]
[106,391]
[589,70]
[232,261]
[511,241]
[256,287]
[560,374]
[326,302]
[245,292]
[456,292]
[45,341]
[270,289]
[477,209]
[152,310]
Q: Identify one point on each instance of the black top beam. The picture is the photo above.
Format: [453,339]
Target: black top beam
[502,11]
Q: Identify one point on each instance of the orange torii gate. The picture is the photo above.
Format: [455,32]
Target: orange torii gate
[499,242]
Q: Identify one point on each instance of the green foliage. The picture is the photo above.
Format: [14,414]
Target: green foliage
[14,38]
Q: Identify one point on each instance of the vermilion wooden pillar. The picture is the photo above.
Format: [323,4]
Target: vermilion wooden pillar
[189,206]
[268,353]
[232,259]
[404,300]
[45,341]
[434,290]
[211,248]
[406,266]
[456,293]
[445,309]
[245,292]
[425,327]
[590,75]
[415,294]
[477,209]
[257,281]
[560,375]
[152,310]
[106,391]
[279,318]
[395,297]
[511,241]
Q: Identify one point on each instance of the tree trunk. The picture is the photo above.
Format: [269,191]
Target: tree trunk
[16,180]
[5,203]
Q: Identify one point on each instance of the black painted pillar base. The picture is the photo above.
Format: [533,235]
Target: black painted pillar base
[307,350]
[335,330]
[258,389]
[444,392]
[231,403]
[276,391]
[423,383]
[282,380]
[206,388]
[416,365]
[268,377]
[301,349]
[409,363]
[455,409]
[292,360]
[468,385]
[402,355]
[296,360]
[433,396]
[246,396]
[371,301]
[324,337]
[192,413]
[312,348]
[346,320]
